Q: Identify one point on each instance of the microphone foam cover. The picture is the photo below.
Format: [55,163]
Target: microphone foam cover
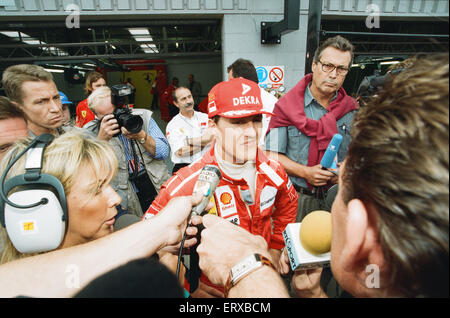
[315,232]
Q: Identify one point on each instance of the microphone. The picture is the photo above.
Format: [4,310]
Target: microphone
[206,183]
[124,220]
[308,243]
[331,152]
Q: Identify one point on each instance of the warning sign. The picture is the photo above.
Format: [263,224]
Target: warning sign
[273,75]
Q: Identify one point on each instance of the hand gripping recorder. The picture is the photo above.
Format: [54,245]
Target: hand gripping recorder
[35,214]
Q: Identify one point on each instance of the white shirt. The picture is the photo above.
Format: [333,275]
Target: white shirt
[268,101]
[246,171]
[181,127]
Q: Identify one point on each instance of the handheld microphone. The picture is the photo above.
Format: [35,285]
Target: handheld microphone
[308,243]
[125,220]
[331,152]
[206,183]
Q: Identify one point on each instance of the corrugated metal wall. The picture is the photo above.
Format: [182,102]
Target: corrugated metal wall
[330,7]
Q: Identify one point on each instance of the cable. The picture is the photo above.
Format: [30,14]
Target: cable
[180,252]
[2,180]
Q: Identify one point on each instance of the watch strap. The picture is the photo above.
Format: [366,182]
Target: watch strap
[143,140]
[259,262]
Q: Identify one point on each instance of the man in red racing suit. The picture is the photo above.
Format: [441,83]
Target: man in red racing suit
[254,192]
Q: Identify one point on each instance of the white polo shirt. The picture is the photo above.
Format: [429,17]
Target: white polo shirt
[268,101]
[181,127]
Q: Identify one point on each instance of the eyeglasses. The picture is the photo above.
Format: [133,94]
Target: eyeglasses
[328,68]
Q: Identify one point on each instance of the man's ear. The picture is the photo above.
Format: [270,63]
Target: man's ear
[361,241]
[211,123]
[313,66]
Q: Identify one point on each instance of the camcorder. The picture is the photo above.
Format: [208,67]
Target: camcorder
[372,85]
[123,115]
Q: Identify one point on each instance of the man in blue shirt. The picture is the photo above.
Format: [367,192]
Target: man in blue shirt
[306,119]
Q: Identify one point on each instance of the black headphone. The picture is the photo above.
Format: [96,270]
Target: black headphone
[38,222]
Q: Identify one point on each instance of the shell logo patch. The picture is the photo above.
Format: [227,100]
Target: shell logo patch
[226,201]
[225,198]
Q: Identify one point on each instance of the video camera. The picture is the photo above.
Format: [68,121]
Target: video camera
[123,115]
[373,84]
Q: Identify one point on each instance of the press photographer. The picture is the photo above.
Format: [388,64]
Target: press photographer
[138,142]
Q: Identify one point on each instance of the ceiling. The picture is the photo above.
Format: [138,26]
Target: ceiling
[397,38]
[102,43]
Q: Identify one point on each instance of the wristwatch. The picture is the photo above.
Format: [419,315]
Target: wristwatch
[142,140]
[245,267]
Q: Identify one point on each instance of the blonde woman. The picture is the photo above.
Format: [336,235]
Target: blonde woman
[84,166]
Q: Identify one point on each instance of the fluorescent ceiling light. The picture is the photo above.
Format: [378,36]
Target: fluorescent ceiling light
[149,47]
[29,40]
[143,39]
[139,31]
[11,34]
[143,35]
[53,70]
[32,41]
[389,62]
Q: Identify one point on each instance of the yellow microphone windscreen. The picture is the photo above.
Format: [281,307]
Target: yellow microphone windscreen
[315,232]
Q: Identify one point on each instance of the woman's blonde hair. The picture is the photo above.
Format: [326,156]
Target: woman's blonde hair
[66,158]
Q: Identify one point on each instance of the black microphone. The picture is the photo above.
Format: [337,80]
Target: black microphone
[124,220]
[206,184]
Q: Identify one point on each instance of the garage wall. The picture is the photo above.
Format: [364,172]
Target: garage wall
[241,38]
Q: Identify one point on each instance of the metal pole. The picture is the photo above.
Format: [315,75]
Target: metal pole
[313,35]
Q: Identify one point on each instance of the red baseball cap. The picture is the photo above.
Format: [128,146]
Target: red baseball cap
[236,98]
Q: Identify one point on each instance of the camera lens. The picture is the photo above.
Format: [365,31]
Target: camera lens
[133,123]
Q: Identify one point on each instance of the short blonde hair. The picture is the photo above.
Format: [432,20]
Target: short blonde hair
[66,159]
[97,95]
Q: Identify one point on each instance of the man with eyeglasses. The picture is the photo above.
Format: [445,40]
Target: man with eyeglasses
[306,119]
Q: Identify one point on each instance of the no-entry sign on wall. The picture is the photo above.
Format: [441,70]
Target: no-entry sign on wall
[273,75]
